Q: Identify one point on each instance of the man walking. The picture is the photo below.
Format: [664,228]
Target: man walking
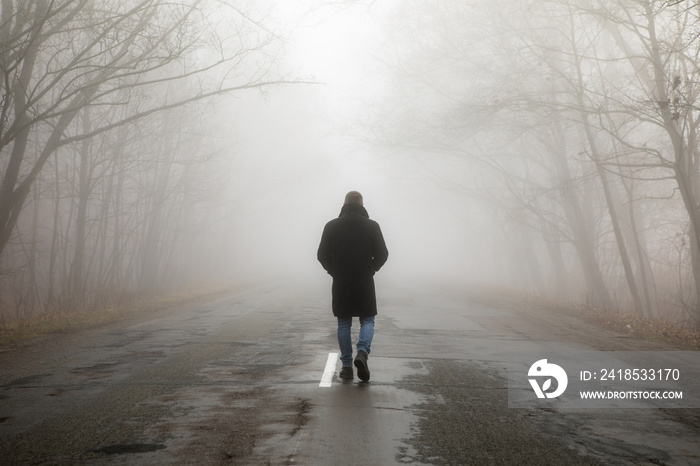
[352,249]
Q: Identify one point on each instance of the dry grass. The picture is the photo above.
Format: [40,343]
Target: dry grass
[632,324]
[653,329]
[15,331]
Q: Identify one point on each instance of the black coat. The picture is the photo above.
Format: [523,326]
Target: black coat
[352,249]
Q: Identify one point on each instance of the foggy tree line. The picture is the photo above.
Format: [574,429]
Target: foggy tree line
[577,122]
[102,106]
[573,123]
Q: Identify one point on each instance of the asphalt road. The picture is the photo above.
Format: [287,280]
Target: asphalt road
[237,381]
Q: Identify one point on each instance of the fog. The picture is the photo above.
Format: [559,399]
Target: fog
[539,147]
[298,166]
[297,149]
[307,145]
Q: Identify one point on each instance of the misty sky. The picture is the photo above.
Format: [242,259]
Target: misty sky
[298,145]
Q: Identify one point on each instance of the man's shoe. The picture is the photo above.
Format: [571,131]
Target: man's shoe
[361,364]
[346,373]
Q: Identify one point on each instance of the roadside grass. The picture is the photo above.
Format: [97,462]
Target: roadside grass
[655,329]
[14,331]
[651,329]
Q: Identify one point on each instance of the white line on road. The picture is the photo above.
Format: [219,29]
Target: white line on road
[329,371]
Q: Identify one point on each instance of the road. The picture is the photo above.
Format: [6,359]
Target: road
[235,380]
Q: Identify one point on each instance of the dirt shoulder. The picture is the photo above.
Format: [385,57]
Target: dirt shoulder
[20,332]
[605,331]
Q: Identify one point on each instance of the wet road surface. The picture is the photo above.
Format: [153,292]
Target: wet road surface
[236,381]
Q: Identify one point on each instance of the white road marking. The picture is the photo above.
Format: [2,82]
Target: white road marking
[329,371]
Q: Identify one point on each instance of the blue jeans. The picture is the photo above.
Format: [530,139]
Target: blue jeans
[364,341]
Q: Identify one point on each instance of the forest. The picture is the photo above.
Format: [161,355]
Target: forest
[560,137]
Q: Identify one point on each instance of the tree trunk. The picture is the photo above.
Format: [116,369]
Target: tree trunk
[582,238]
[553,242]
[645,271]
[54,237]
[607,192]
[77,278]
[151,255]
[12,197]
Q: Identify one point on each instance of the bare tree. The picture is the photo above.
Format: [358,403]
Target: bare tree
[58,58]
[490,84]
[81,84]
[584,110]
[653,38]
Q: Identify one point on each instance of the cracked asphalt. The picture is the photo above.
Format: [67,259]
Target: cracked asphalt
[235,380]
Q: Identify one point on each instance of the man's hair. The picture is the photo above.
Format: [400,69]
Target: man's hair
[353,197]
